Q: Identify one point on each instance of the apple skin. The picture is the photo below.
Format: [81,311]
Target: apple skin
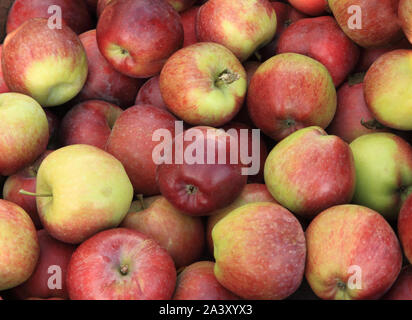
[181,235]
[3,85]
[405,17]
[74,13]
[90,191]
[324,42]
[94,271]
[89,122]
[24,131]
[387,92]
[351,112]
[25,180]
[223,22]
[181,5]
[260,252]
[310,171]
[374,32]
[101,5]
[384,182]
[273,104]
[198,189]
[19,245]
[188,18]
[310,7]
[103,81]
[131,141]
[149,93]
[129,45]
[345,236]
[49,65]
[402,289]
[198,282]
[52,253]
[253,192]
[405,228]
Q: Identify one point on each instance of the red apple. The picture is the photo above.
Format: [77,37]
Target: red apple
[120,264]
[74,13]
[149,93]
[3,85]
[321,39]
[353,253]
[198,282]
[131,141]
[402,289]
[405,227]
[89,122]
[311,7]
[181,235]
[103,81]
[138,36]
[405,17]
[54,125]
[188,18]
[49,278]
[101,5]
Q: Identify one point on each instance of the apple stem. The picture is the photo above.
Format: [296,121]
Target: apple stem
[27,193]
[140,198]
[227,77]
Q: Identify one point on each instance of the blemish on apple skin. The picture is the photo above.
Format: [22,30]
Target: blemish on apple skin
[107,191]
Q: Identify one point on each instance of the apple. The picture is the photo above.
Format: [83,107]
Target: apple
[138,36]
[24,131]
[49,278]
[101,5]
[402,289]
[310,171]
[131,141]
[353,118]
[273,103]
[198,282]
[250,68]
[260,252]
[149,93]
[405,17]
[324,42]
[405,227]
[188,19]
[103,81]
[54,124]
[25,179]
[120,264]
[224,21]
[383,164]
[353,253]
[254,192]
[49,65]
[181,5]
[386,89]
[89,122]
[19,245]
[3,85]
[74,13]
[310,7]
[201,184]
[203,84]
[369,23]
[80,191]
[181,235]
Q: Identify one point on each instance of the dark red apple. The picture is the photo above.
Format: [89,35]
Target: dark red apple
[149,93]
[402,289]
[188,18]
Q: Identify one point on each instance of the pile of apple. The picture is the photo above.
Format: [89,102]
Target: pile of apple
[88,212]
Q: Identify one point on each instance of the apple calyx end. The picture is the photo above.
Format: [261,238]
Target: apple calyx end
[191,189]
[124,270]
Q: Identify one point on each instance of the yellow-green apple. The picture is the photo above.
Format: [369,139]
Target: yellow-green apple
[405,17]
[49,65]
[203,84]
[103,81]
[387,92]
[25,179]
[201,175]
[89,122]
[80,191]
[24,132]
[353,253]
[181,235]
[310,7]
[224,21]
[188,18]
[260,251]
[138,36]
[198,282]
[383,164]
[310,171]
[121,264]
[369,23]
[402,289]
[19,245]
[131,141]
[181,5]
[49,278]
[253,192]
[149,93]
[353,118]
[405,228]
[323,41]
[273,104]
[3,85]
[74,13]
